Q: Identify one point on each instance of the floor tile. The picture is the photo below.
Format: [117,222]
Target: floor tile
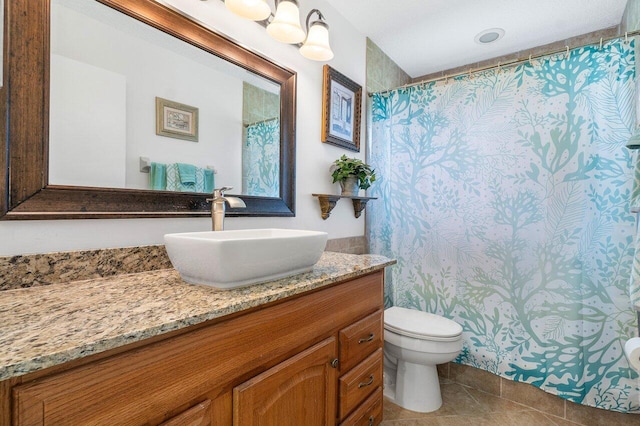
[533,396]
[494,404]
[522,418]
[476,378]
[456,401]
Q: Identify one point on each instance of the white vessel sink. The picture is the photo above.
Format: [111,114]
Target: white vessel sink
[230,259]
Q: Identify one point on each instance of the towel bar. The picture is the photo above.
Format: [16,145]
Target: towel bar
[145,166]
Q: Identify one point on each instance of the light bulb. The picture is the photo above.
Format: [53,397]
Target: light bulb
[255,10]
[285,26]
[316,46]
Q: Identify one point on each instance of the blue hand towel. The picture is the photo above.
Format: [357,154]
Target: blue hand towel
[158,176]
[187,173]
[174,182]
[208,180]
[199,187]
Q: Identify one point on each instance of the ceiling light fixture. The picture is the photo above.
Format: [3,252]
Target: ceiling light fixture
[285,26]
[316,46]
[255,10]
[489,36]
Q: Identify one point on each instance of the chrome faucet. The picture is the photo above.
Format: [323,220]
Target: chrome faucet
[218,207]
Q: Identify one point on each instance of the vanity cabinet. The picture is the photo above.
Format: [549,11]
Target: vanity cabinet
[312,359]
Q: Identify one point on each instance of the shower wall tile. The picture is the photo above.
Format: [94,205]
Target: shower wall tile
[631,22]
[375,67]
[492,62]
[258,104]
[631,18]
[382,72]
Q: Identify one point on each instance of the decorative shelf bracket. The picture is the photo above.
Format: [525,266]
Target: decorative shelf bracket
[328,202]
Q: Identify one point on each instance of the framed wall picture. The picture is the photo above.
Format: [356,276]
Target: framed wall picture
[176,120]
[341,110]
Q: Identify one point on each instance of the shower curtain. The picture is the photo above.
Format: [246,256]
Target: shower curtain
[261,159]
[504,196]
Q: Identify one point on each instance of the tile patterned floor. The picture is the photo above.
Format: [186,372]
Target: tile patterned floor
[465,406]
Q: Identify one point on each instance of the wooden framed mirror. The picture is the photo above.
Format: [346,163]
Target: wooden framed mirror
[26,103]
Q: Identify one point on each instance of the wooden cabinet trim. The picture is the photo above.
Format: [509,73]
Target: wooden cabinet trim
[199,415]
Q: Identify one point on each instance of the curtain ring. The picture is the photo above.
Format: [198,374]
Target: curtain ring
[499,69]
[530,60]
[567,55]
[600,43]
[626,37]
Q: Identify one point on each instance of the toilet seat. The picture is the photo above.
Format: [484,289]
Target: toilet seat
[421,325]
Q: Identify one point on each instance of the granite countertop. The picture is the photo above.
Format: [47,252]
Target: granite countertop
[45,326]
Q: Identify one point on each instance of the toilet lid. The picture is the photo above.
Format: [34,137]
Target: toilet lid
[420,325]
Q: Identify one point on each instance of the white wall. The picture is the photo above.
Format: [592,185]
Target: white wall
[87,139]
[313,157]
[150,66]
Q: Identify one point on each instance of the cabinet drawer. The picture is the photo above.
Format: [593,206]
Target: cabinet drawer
[360,382]
[367,414]
[359,340]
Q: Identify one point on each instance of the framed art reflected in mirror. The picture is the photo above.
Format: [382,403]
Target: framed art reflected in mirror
[176,120]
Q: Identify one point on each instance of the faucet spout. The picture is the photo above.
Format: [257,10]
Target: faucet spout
[235,202]
[218,207]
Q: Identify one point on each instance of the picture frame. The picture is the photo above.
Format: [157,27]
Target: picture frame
[341,110]
[176,120]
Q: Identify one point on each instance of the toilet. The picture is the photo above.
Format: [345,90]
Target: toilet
[414,343]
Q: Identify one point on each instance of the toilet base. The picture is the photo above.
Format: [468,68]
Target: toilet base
[417,387]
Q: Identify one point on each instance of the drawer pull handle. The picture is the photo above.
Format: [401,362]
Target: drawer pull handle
[371,419]
[334,363]
[366,339]
[369,383]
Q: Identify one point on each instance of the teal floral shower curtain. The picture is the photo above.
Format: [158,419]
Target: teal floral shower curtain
[505,198]
[261,159]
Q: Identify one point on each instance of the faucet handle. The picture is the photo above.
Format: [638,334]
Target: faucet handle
[220,191]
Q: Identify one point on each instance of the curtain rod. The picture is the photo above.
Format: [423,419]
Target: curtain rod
[509,63]
[266,120]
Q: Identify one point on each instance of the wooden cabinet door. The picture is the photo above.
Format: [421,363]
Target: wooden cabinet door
[200,415]
[298,391]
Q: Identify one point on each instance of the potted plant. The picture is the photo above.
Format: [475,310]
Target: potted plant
[353,174]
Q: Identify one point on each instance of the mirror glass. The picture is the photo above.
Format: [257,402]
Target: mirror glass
[133,107]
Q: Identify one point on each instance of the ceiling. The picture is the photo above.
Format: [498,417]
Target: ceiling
[426,36]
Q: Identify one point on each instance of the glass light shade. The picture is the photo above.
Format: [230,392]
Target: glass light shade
[256,10]
[316,47]
[285,26]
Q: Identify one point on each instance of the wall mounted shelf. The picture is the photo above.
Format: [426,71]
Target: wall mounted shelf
[328,202]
